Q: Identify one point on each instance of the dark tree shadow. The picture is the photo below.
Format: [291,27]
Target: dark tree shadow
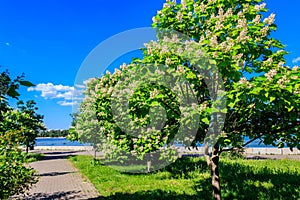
[58,155]
[153,195]
[55,173]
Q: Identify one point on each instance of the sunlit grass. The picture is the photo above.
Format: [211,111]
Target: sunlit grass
[189,178]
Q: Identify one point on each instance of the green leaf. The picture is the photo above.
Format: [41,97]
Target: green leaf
[272,99]
[267,94]
[280,145]
[227,140]
[205,120]
[191,75]
[231,105]
[13,93]
[27,83]
[291,108]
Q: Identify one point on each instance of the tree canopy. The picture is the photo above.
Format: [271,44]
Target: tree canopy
[262,94]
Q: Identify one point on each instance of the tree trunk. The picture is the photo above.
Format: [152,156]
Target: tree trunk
[149,166]
[149,162]
[215,173]
[27,146]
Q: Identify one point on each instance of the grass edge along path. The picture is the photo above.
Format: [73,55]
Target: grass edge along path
[189,178]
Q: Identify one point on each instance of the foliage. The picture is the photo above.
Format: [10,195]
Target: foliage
[262,95]
[189,178]
[53,133]
[32,124]
[33,157]
[15,177]
[85,127]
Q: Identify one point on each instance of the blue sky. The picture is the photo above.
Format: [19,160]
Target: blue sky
[49,40]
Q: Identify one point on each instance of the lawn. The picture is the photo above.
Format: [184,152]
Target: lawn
[33,157]
[189,178]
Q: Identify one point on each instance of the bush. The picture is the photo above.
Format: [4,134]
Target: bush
[15,177]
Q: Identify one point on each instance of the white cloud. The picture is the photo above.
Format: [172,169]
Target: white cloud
[80,86]
[51,91]
[7,44]
[295,60]
[67,103]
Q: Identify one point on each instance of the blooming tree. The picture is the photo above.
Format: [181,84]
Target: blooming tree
[237,37]
[85,126]
[262,94]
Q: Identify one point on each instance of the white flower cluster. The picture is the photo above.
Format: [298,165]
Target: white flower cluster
[180,69]
[179,16]
[183,4]
[259,7]
[154,93]
[168,61]
[264,31]
[244,81]
[294,77]
[256,20]
[281,82]
[238,59]
[212,1]
[202,107]
[270,20]
[270,74]
[123,66]
[295,68]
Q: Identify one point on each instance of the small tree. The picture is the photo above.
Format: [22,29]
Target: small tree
[32,123]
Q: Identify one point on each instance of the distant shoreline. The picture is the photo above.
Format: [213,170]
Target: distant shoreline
[50,137]
[248,151]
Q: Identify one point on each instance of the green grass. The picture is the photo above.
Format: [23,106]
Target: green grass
[33,157]
[188,178]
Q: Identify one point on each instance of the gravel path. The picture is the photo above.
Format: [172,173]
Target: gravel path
[59,179]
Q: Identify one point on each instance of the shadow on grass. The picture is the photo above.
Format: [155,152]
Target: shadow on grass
[249,182]
[33,157]
[153,195]
[238,181]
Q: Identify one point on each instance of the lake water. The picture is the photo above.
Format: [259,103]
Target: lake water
[56,142]
[65,142]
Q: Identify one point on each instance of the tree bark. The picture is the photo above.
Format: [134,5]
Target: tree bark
[212,161]
[149,162]
[27,146]
[215,172]
[149,166]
